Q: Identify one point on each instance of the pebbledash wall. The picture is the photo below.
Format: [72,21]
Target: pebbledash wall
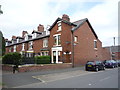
[56,41]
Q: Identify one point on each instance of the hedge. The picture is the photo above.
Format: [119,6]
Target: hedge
[12,58]
[42,60]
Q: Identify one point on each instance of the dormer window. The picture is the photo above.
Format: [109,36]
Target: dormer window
[14,41]
[59,26]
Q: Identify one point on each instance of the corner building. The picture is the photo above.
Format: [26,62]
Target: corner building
[65,41]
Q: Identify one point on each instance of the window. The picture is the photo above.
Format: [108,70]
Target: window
[31,45]
[75,39]
[45,43]
[23,46]
[95,43]
[59,26]
[57,39]
[14,48]
[44,53]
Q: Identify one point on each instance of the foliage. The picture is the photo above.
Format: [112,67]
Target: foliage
[42,59]
[3,46]
[12,58]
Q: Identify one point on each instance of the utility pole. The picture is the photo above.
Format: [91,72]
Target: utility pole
[72,44]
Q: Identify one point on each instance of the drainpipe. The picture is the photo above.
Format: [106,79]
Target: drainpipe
[72,44]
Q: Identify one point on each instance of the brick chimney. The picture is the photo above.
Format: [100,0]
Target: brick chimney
[40,28]
[23,33]
[65,17]
[6,39]
[13,37]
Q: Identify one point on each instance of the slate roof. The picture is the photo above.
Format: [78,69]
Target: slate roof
[77,24]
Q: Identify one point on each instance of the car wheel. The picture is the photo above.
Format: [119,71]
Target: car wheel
[103,68]
[113,66]
[86,69]
[96,69]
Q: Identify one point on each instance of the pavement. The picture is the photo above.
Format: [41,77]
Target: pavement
[24,78]
[101,79]
[62,78]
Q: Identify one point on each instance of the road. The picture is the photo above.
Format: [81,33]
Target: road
[74,78]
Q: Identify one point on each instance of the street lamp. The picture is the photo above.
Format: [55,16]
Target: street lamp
[1,12]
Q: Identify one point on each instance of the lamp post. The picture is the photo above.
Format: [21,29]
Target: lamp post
[1,12]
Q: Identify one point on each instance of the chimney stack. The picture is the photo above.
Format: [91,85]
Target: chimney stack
[65,17]
[13,37]
[40,28]
[23,33]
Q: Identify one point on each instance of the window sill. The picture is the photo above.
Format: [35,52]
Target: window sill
[96,49]
[59,30]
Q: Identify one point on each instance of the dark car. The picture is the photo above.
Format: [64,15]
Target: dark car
[94,65]
[118,62]
[110,63]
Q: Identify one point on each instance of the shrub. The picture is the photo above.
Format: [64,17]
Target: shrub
[42,59]
[12,58]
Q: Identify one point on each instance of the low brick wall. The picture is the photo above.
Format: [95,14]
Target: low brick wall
[27,68]
[7,67]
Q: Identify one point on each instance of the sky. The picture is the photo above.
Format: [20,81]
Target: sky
[19,15]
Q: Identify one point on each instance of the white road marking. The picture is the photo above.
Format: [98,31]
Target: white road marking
[89,84]
[104,79]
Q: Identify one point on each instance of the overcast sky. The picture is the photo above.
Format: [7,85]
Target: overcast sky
[19,15]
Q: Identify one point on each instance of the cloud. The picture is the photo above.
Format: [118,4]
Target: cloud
[21,15]
[103,18]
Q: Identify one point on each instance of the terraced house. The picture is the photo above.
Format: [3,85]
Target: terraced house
[65,41]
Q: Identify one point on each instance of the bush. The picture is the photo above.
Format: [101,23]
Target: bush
[42,60]
[28,60]
[12,58]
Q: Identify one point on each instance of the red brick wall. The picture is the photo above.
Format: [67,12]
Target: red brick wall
[65,36]
[38,67]
[84,50]
[37,45]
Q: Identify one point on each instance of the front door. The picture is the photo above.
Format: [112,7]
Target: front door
[54,56]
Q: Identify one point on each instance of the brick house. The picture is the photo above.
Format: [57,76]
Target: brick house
[65,41]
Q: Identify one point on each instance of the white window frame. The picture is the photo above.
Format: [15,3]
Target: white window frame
[59,26]
[23,46]
[30,45]
[76,39]
[95,44]
[14,48]
[57,39]
[45,42]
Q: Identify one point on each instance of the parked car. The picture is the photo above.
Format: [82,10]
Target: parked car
[118,62]
[110,63]
[94,65]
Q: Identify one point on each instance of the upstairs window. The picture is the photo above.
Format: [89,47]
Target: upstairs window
[75,39]
[95,44]
[45,43]
[59,26]
[14,48]
[30,45]
[23,46]
[57,39]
